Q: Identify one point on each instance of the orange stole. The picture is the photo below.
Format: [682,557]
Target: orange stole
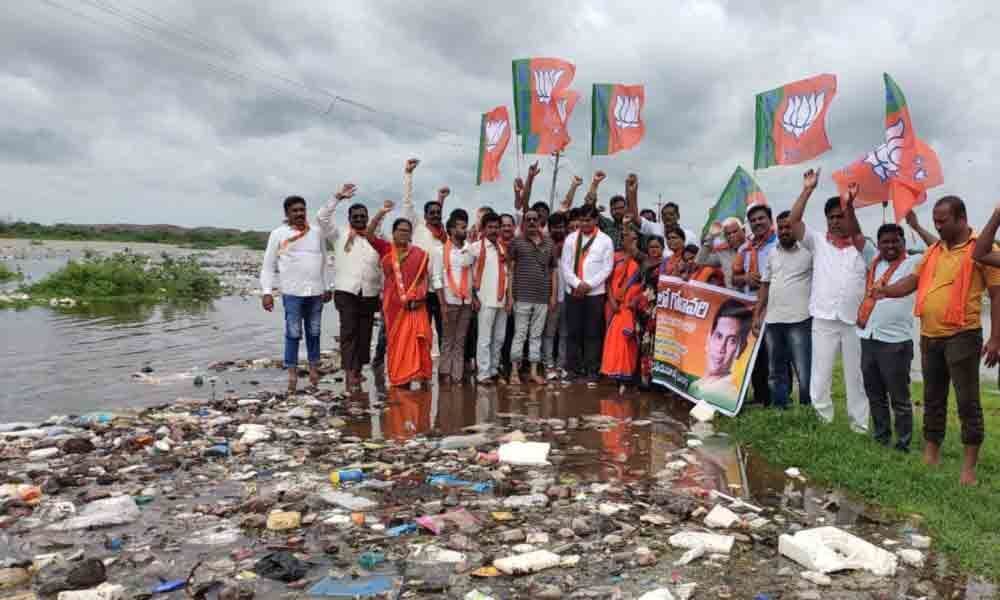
[408,352]
[621,347]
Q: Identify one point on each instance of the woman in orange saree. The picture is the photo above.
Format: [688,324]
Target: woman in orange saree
[621,346]
[408,356]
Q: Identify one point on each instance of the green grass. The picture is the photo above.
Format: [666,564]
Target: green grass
[964,522]
[127,276]
[202,238]
[6,274]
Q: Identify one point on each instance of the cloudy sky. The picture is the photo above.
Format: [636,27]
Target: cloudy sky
[209,113]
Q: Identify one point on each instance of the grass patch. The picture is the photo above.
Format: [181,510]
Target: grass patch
[965,523]
[199,237]
[127,276]
[7,275]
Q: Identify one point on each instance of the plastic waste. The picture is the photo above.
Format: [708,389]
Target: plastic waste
[529,562]
[105,591]
[347,501]
[370,586]
[346,475]
[525,453]
[452,481]
[281,566]
[463,520]
[828,549]
[169,586]
[219,450]
[527,501]
[460,442]
[117,510]
[710,542]
[657,594]
[370,560]
[404,529]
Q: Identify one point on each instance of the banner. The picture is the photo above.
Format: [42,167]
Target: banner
[705,346]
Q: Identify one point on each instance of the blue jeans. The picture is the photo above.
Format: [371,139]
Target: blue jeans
[788,344]
[298,309]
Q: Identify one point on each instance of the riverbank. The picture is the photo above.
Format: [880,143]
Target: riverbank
[964,522]
[196,237]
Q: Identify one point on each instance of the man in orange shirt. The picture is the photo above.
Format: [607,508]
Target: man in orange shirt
[950,285]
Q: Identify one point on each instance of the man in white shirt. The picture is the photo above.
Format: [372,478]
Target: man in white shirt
[454,283]
[357,282]
[587,260]
[490,292]
[783,303]
[670,215]
[885,327]
[838,285]
[296,252]
[429,234]
[747,274]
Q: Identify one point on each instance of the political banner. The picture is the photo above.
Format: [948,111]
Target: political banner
[705,345]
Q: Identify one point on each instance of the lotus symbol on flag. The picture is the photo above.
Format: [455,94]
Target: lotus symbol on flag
[885,159]
[494,131]
[545,81]
[801,112]
[627,112]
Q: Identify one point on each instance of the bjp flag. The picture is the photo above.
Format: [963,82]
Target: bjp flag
[791,122]
[616,122]
[901,170]
[494,134]
[543,103]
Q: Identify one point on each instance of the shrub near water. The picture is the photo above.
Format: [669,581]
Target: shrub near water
[129,276]
[6,274]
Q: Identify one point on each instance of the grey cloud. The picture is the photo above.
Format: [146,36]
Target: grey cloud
[37,146]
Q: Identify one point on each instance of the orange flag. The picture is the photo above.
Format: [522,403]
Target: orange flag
[494,134]
[899,171]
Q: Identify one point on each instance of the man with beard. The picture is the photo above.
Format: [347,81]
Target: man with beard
[709,255]
[840,258]
[453,280]
[428,234]
[885,327]
[950,284]
[555,324]
[783,303]
[357,283]
[747,268]
[613,227]
[297,254]
[587,261]
[489,292]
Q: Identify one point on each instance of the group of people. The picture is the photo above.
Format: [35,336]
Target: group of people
[570,293]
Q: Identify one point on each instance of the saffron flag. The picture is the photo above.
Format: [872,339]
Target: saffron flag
[616,122]
[543,103]
[901,170]
[494,134]
[791,122]
[740,193]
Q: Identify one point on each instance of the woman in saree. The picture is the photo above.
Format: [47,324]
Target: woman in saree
[674,265]
[647,315]
[408,356]
[621,344]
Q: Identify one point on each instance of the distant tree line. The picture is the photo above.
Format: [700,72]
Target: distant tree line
[197,237]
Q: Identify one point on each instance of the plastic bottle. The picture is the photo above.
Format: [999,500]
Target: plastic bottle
[370,560]
[346,475]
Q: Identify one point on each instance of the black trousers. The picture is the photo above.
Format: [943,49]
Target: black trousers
[759,376]
[585,339]
[434,310]
[885,367]
[357,317]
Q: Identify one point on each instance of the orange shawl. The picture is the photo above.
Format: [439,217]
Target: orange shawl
[283,247]
[501,268]
[955,315]
[462,292]
[868,304]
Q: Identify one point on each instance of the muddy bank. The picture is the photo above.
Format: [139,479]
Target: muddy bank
[243,491]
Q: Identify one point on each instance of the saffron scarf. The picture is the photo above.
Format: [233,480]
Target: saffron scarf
[397,260]
[302,231]
[955,314]
[501,270]
[438,232]
[462,292]
[581,253]
[753,248]
[868,304]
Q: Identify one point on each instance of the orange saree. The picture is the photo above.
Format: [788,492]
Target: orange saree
[408,352]
[621,346]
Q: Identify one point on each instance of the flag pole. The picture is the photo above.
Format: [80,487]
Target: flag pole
[552,191]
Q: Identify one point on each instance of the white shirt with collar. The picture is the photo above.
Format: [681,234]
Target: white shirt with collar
[648,227]
[597,265]
[892,318]
[838,278]
[488,293]
[357,271]
[460,257]
[300,267]
[789,274]
[423,238]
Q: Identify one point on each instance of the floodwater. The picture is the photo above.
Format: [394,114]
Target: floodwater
[81,359]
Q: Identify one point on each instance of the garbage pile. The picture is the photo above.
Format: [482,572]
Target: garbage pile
[265,495]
